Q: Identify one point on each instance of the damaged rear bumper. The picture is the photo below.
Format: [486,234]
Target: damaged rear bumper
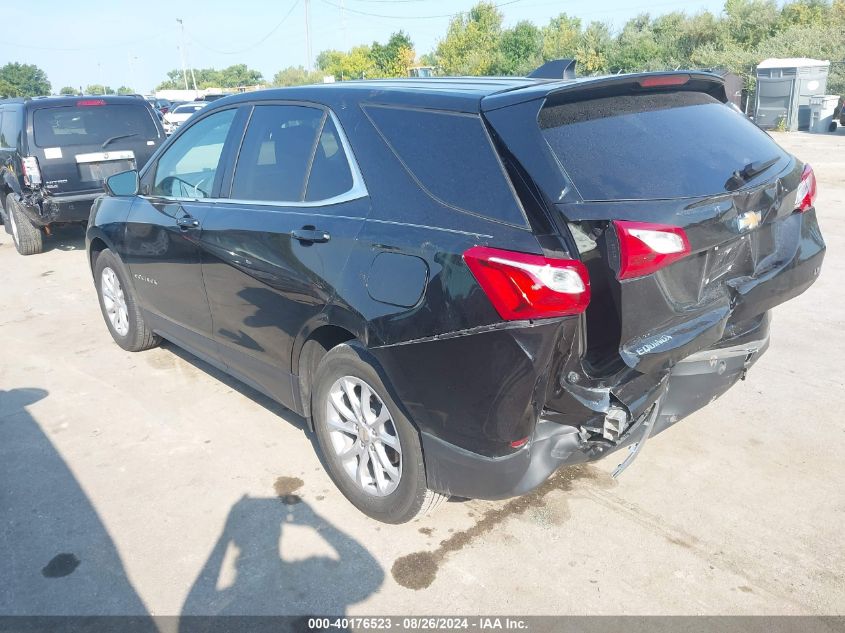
[42,209]
[691,384]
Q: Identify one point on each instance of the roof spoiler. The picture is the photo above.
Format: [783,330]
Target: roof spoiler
[555,69]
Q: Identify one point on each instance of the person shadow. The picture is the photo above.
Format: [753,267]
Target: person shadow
[276,556]
[57,559]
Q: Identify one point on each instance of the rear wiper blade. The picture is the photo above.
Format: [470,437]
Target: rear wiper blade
[118,137]
[751,170]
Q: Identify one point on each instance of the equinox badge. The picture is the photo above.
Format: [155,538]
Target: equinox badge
[749,220]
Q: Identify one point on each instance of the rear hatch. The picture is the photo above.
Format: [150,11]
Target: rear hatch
[79,143]
[683,211]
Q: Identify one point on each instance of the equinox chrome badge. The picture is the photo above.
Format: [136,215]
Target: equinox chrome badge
[749,220]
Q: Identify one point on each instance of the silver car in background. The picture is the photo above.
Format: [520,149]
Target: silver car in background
[180,114]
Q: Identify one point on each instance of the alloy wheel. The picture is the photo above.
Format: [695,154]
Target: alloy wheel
[114,301]
[364,436]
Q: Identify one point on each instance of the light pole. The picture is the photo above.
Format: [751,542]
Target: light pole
[133,59]
[308,35]
[185,55]
[184,72]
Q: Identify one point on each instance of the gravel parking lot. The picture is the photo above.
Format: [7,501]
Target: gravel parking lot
[152,484]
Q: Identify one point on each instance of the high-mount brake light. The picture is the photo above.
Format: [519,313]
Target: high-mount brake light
[805,195]
[523,286]
[662,81]
[84,103]
[645,247]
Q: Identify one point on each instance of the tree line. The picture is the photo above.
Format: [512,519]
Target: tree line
[476,43]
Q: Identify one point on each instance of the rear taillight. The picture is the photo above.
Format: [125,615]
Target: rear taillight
[85,103]
[31,171]
[523,286]
[805,195]
[646,247]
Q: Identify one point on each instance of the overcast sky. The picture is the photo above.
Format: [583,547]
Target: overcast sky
[135,43]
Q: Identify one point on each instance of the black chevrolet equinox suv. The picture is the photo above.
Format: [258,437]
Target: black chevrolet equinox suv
[55,153]
[464,284]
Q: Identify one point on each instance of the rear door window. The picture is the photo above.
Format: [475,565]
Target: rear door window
[66,126]
[452,158]
[654,145]
[276,152]
[330,173]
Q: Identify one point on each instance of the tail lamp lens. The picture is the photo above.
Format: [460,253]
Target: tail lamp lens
[645,247]
[805,195]
[519,443]
[31,171]
[87,103]
[524,286]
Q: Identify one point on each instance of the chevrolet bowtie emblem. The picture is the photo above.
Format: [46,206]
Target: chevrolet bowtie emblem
[749,220]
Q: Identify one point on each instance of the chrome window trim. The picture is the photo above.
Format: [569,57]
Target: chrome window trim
[358,190]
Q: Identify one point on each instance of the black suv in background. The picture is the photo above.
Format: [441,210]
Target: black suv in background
[55,153]
[464,284]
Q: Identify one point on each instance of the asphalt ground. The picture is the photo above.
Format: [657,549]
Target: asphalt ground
[151,484]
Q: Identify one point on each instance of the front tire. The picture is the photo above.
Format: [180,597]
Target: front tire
[119,305]
[28,238]
[371,449]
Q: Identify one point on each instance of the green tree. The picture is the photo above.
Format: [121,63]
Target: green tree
[804,13]
[234,76]
[356,64]
[472,41]
[749,22]
[239,75]
[98,89]
[69,90]
[394,58]
[520,50]
[594,49]
[23,80]
[560,37]
[125,90]
[700,30]
[296,76]
[636,47]
[837,12]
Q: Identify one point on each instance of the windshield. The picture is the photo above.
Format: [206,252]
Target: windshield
[91,125]
[657,145]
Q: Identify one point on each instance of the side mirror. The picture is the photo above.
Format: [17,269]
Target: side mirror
[125,183]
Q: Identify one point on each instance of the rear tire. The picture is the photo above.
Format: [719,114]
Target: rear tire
[119,305]
[28,238]
[391,485]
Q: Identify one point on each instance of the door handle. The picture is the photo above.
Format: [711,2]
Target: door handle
[310,235]
[187,222]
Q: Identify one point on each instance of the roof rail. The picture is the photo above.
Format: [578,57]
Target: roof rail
[15,100]
[555,69]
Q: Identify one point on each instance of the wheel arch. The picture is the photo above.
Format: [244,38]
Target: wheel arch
[311,351]
[96,245]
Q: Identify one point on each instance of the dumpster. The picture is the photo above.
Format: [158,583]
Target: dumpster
[784,89]
[821,113]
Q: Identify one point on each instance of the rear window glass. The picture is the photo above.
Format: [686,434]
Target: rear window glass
[452,158]
[91,125]
[657,145]
[183,109]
